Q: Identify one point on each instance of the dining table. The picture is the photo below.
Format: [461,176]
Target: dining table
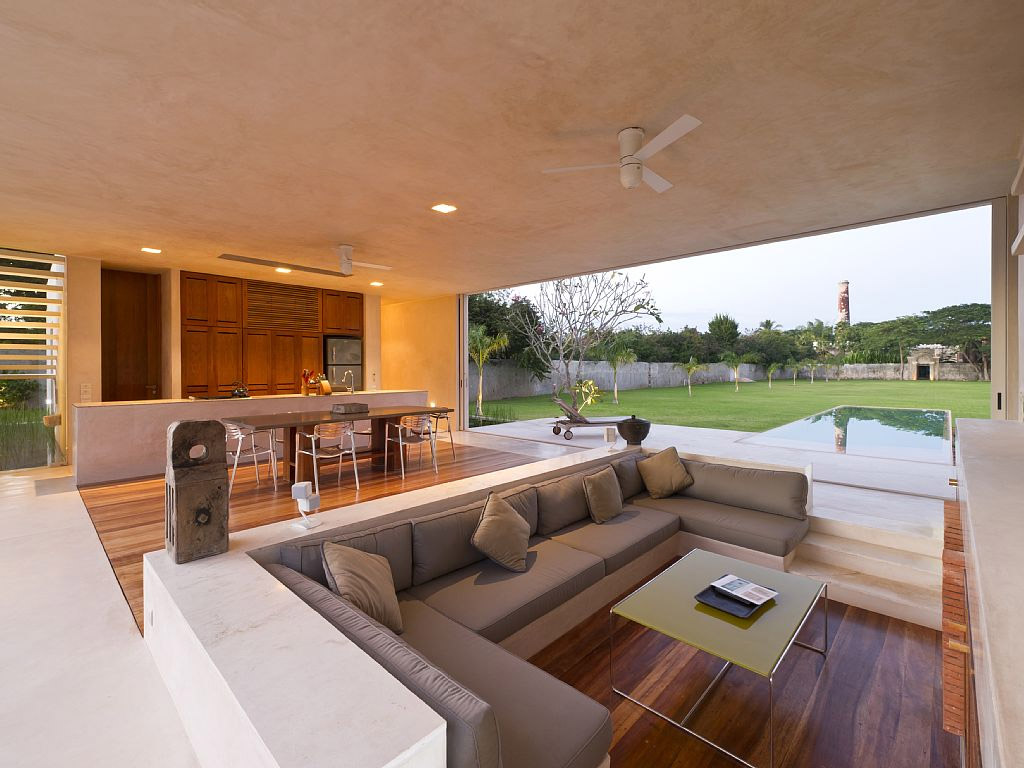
[294,422]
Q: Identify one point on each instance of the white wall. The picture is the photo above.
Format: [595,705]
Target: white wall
[84,364]
[371,341]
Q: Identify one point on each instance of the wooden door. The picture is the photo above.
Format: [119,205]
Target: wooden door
[195,361]
[130,333]
[256,359]
[225,359]
[196,308]
[226,297]
[284,362]
[310,352]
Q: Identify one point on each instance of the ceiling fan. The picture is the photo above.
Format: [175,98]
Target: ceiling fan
[343,252]
[632,155]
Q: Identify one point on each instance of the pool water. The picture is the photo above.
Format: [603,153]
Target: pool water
[912,434]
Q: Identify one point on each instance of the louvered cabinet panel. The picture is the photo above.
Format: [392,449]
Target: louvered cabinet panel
[281,307]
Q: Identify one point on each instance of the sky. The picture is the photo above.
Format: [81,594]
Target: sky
[897,268]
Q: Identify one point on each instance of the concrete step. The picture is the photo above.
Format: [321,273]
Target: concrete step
[909,602]
[872,559]
[899,521]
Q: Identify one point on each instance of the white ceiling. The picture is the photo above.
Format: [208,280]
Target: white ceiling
[278,130]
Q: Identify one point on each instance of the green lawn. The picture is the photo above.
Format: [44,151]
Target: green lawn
[756,408]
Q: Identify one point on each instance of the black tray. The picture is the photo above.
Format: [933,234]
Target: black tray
[741,610]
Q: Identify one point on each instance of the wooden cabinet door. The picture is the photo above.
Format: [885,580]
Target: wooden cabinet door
[196,307]
[256,359]
[284,362]
[226,299]
[352,313]
[195,360]
[225,359]
[330,312]
[310,352]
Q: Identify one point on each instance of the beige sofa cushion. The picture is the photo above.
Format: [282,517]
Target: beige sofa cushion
[472,728]
[495,602]
[621,540]
[664,474]
[629,476]
[761,531]
[502,534]
[604,497]
[364,580]
[767,490]
[544,723]
[560,502]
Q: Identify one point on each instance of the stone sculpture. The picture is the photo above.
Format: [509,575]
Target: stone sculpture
[196,495]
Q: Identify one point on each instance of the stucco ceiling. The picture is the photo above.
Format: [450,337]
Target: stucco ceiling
[279,129]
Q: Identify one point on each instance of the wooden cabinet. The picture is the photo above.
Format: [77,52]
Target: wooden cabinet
[256,361]
[310,352]
[226,359]
[211,300]
[211,360]
[285,362]
[343,313]
[195,360]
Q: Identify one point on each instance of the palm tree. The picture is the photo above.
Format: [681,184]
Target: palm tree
[794,366]
[691,367]
[481,347]
[770,370]
[812,365]
[768,325]
[734,361]
[618,353]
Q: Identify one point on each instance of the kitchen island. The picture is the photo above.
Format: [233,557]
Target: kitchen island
[128,439]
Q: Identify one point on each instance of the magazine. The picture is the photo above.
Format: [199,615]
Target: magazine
[743,590]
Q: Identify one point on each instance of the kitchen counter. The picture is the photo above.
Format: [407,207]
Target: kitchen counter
[991,455]
[128,439]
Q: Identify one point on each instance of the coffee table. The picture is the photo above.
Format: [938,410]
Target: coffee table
[666,605]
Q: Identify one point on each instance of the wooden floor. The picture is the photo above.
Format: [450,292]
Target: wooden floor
[129,517]
[875,702]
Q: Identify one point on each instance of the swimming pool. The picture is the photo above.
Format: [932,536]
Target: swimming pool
[911,434]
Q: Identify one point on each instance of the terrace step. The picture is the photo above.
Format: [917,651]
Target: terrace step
[896,520]
[872,559]
[909,602]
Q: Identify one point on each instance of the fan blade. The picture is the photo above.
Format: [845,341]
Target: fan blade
[677,130]
[656,182]
[580,168]
[368,265]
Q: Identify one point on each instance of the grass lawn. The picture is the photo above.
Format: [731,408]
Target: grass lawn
[756,408]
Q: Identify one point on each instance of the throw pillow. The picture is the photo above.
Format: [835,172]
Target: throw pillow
[604,496]
[664,474]
[365,580]
[502,534]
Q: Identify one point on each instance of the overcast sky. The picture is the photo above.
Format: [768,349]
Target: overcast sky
[894,269]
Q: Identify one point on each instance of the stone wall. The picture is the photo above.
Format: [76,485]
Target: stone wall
[503,378]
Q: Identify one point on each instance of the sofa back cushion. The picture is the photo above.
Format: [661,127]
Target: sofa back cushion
[393,541]
[441,542]
[766,490]
[472,731]
[560,502]
[629,476]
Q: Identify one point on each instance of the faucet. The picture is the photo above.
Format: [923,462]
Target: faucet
[352,380]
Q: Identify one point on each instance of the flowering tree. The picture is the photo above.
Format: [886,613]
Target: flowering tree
[576,314]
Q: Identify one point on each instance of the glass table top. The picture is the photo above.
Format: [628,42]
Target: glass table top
[667,605]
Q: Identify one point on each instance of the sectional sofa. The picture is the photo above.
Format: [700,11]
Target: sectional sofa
[468,624]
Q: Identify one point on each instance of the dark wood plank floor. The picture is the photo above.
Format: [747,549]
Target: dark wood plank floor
[875,702]
[129,517]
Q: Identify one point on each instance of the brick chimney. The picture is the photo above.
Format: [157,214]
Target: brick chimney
[844,301]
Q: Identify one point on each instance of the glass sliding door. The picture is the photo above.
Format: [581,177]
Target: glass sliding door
[31,310]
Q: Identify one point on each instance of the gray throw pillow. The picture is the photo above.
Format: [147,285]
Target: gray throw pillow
[664,474]
[502,534]
[365,580]
[604,496]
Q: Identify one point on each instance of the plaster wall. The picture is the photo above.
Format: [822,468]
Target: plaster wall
[371,341]
[419,347]
[82,318]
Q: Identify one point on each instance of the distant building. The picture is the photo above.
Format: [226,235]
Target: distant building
[925,360]
[844,302]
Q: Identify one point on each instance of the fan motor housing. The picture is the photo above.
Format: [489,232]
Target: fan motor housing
[631,169]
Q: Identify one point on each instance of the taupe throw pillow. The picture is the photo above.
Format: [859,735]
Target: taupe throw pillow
[502,534]
[664,474]
[604,496]
[365,580]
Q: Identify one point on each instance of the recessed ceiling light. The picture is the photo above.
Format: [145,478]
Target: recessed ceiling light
[443,208]
[151,250]
[282,270]
[376,283]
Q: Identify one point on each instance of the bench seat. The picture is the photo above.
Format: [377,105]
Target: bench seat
[623,538]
